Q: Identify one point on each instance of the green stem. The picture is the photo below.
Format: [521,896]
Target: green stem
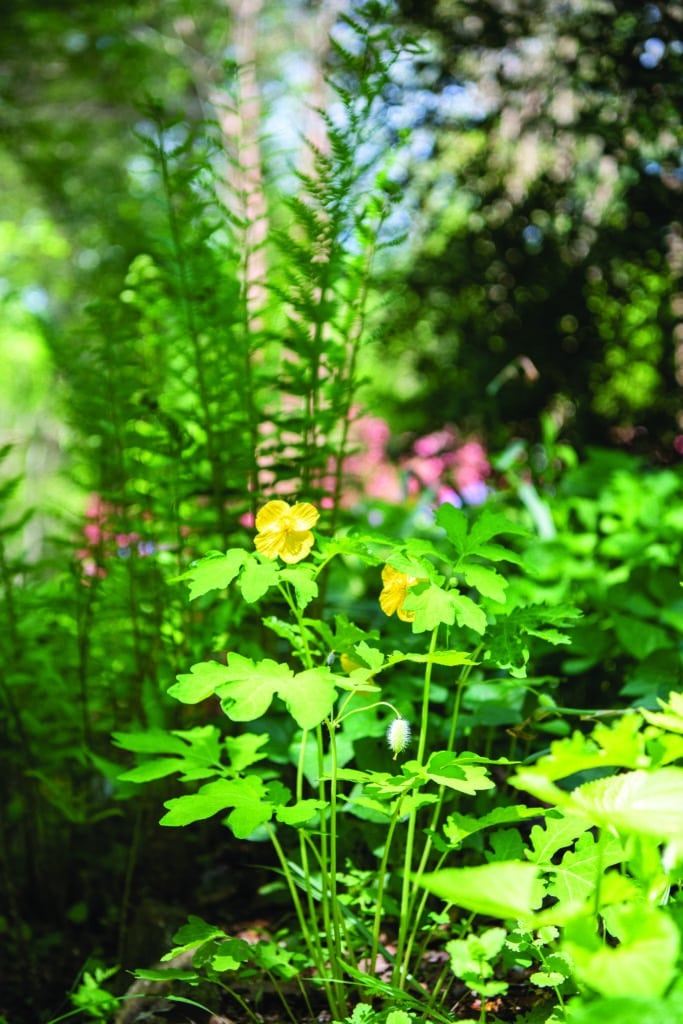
[407,890]
[312,942]
[330,888]
[382,874]
[415,913]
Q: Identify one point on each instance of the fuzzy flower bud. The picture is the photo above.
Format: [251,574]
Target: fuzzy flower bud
[398,736]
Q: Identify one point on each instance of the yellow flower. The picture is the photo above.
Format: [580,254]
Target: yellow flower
[396,585]
[285,530]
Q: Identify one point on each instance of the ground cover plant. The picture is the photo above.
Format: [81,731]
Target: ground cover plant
[572,890]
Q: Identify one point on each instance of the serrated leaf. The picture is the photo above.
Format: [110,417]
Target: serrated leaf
[191,935]
[671,715]
[579,872]
[646,803]
[486,581]
[246,796]
[639,802]
[468,613]
[245,750]
[305,587]
[248,687]
[497,553]
[215,571]
[369,656]
[257,579]
[560,832]
[299,813]
[309,696]
[200,682]
[446,769]
[492,524]
[431,605]
[454,522]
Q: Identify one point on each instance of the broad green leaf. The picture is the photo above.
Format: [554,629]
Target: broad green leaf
[644,962]
[225,954]
[299,813]
[454,522]
[257,578]
[560,832]
[191,935]
[497,553]
[468,613]
[492,524]
[200,682]
[486,581]
[448,658]
[459,826]
[645,803]
[506,844]
[431,606]
[420,568]
[159,768]
[246,796]
[446,769]
[305,587]
[617,746]
[625,1010]
[369,656]
[580,871]
[473,955]
[639,802]
[503,889]
[245,750]
[309,696]
[670,717]
[399,1017]
[248,687]
[639,637]
[152,742]
[214,572]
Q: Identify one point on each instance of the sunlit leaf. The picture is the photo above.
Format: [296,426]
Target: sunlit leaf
[642,964]
[199,683]
[215,571]
[504,889]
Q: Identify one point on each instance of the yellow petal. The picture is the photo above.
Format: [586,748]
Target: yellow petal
[404,615]
[271,515]
[304,515]
[296,546]
[270,543]
[391,598]
[391,575]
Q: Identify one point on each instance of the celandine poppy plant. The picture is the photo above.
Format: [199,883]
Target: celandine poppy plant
[285,530]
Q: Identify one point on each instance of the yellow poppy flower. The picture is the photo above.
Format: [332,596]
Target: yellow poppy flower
[396,586]
[285,530]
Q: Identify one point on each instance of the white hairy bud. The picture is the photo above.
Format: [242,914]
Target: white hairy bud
[398,736]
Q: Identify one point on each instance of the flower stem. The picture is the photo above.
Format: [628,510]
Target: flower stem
[405,928]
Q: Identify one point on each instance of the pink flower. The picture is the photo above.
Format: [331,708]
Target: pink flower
[432,444]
